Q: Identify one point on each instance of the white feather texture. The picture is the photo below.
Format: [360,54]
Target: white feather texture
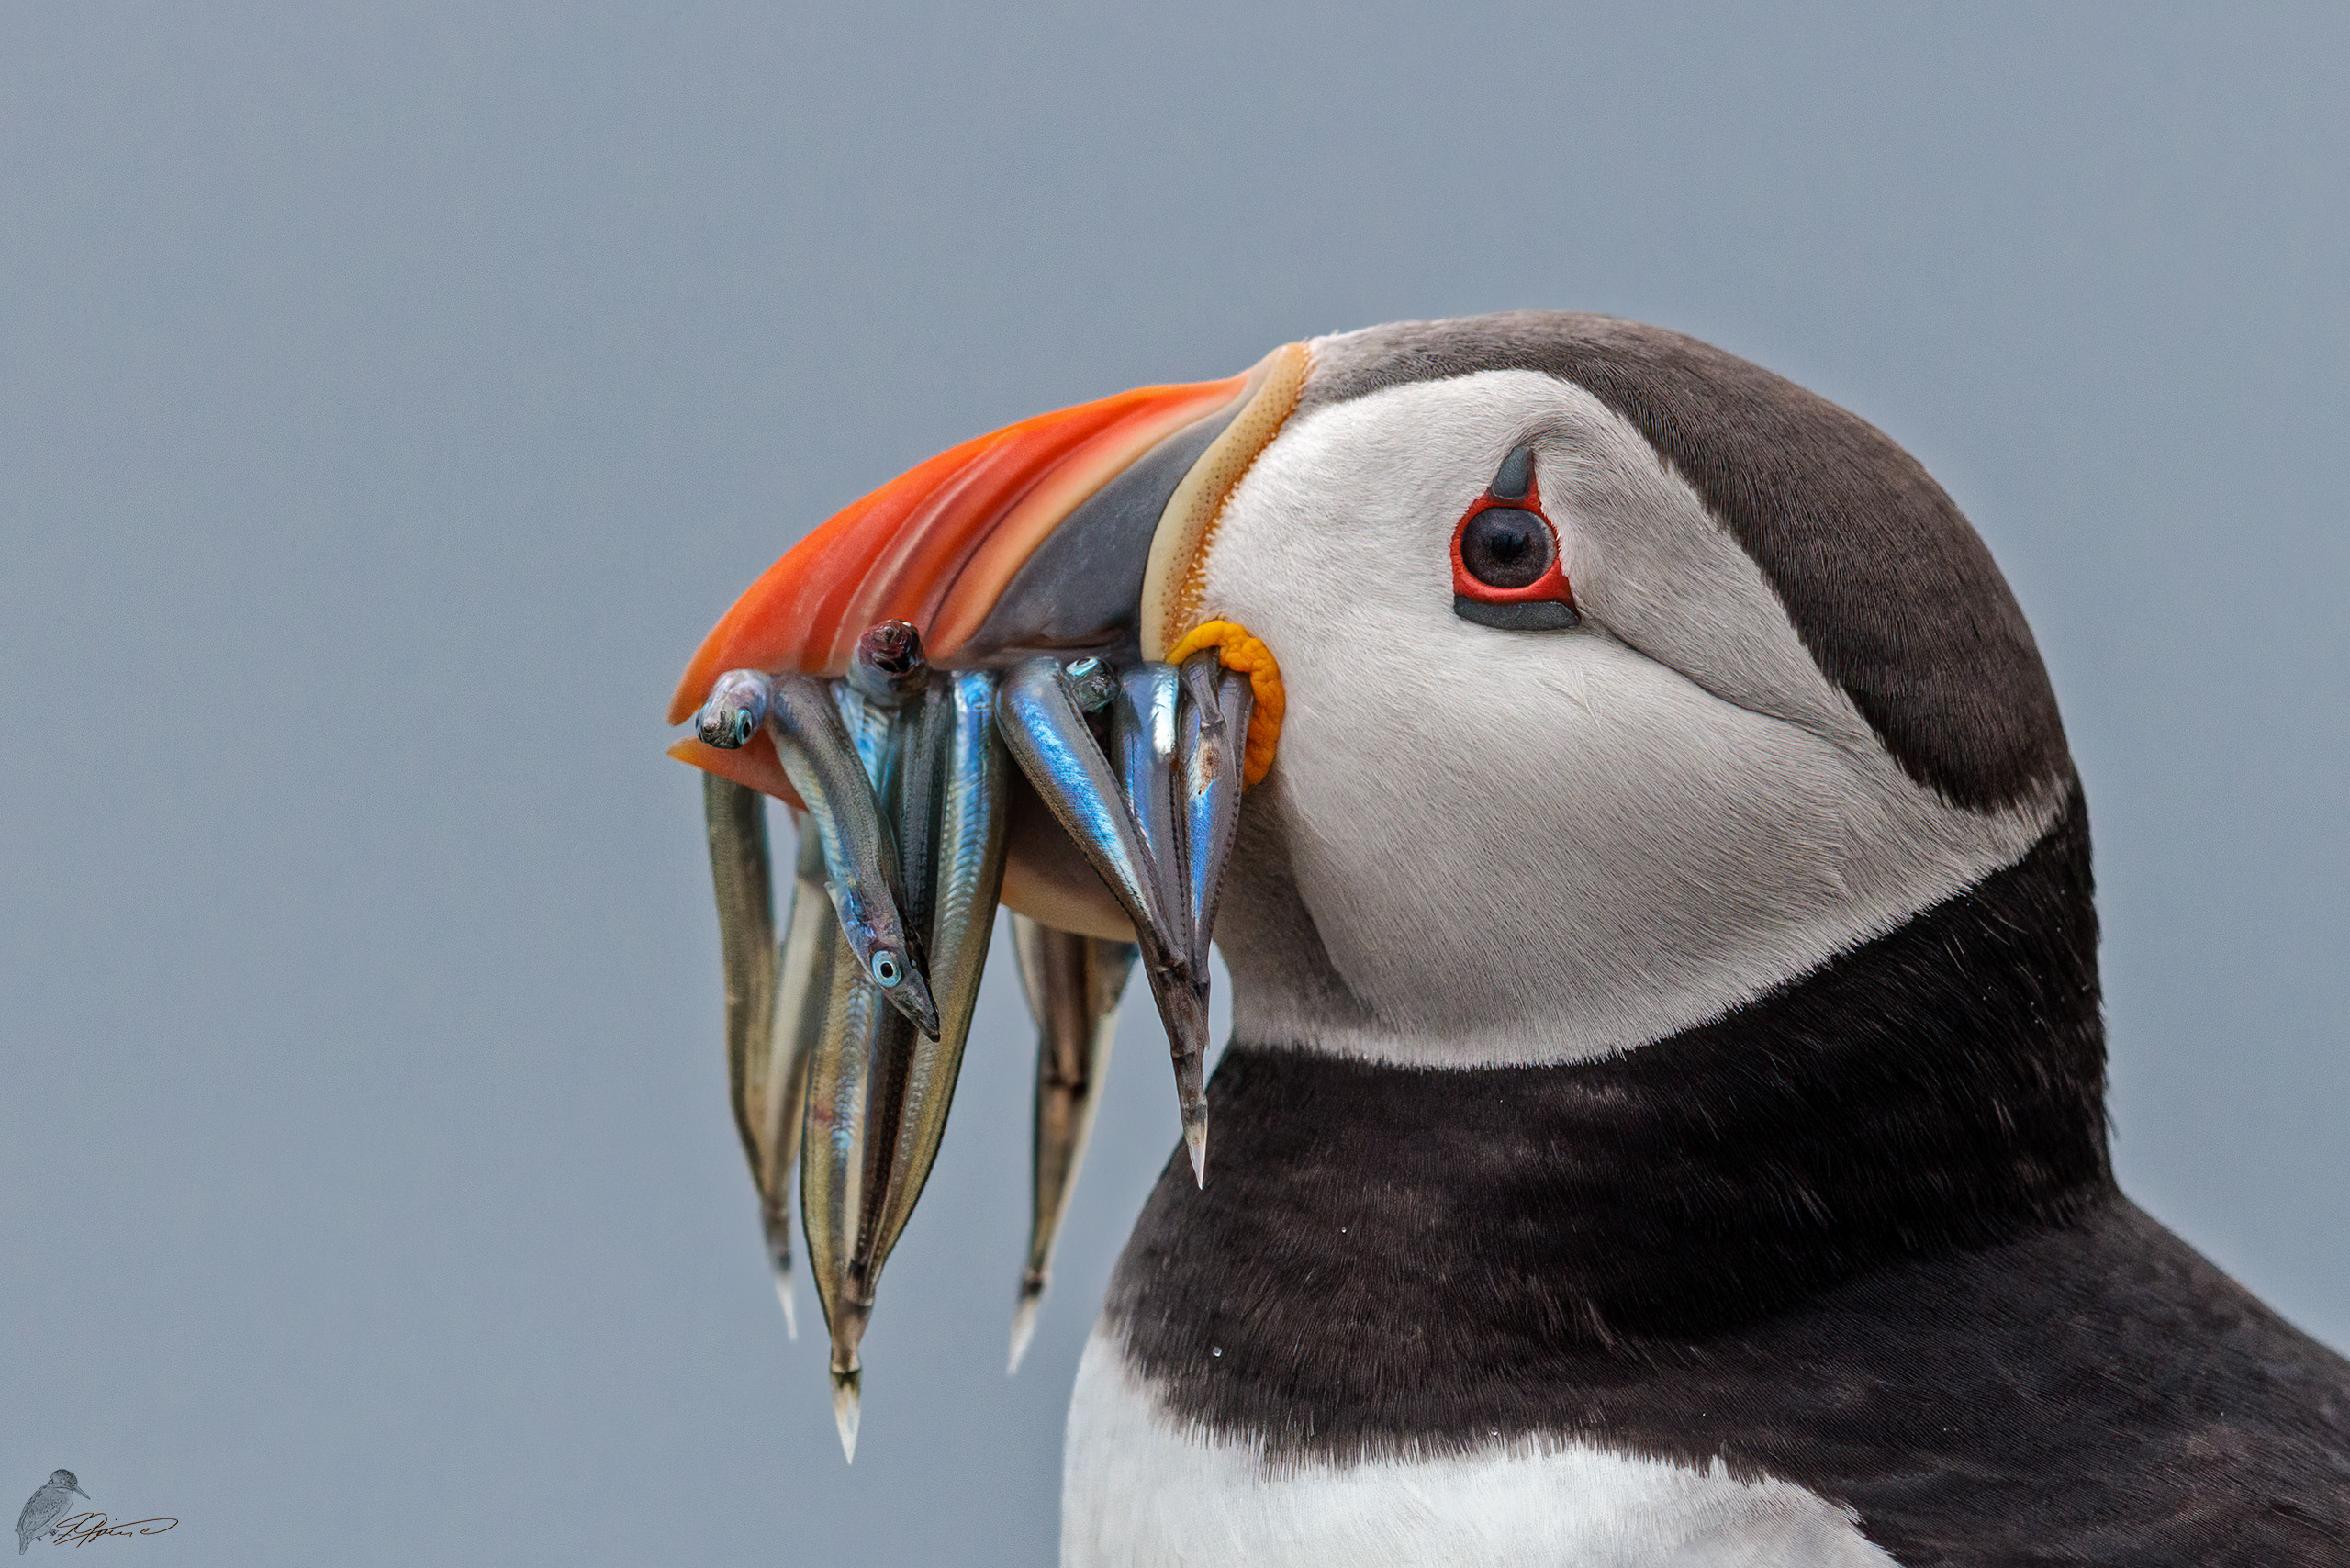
[1139,1493]
[1546,846]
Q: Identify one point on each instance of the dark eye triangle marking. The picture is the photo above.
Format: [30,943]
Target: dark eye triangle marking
[1515,478]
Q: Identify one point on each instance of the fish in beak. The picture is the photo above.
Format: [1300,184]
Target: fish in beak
[986,681]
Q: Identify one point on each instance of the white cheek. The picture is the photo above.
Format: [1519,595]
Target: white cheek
[1544,846]
[1514,847]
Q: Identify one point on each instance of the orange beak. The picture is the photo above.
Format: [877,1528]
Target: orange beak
[971,546]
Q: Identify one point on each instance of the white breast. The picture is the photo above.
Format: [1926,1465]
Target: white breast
[1140,1492]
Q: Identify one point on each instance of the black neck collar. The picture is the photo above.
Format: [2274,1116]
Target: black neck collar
[1938,1088]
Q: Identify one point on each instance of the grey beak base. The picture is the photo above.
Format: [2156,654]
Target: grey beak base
[1080,592]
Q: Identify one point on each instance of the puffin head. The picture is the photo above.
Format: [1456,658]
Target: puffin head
[1620,681]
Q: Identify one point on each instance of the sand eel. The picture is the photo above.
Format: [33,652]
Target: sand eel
[1664,1117]
[1074,984]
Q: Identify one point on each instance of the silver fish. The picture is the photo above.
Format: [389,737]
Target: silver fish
[881,1115]
[889,667]
[861,1028]
[803,994]
[1211,753]
[908,762]
[863,1035]
[1037,715]
[868,727]
[968,813]
[917,736]
[1145,728]
[1074,984]
[827,768]
[736,819]
[733,712]
[1094,684]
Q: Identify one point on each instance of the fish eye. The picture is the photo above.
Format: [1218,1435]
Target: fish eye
[1094,683]
[886,970]
[743,727]
[1504,547]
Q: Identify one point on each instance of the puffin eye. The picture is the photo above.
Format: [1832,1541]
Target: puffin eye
[1505,569]
[1503,547]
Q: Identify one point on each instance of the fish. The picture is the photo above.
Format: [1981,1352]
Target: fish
[864,1037]
[845,1040]
[1074,984]
[1211,753]
[1145,722]
[908,762]
[882,1115]
[968,814]
[1038,713]
[833,774]
[736,821]
[1143,727]
[861,1028]
[733,712]
[1093,683]
[889,667]
[802,995]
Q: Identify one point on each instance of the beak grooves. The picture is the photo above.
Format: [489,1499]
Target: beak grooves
[937,545]
[1178,551]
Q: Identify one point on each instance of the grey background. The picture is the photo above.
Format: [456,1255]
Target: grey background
[390,396]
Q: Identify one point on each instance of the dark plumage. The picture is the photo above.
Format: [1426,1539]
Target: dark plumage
[1860,1234]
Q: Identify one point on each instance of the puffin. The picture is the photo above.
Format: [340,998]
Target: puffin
[1663,1120]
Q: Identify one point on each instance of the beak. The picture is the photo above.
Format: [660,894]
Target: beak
[1075,532]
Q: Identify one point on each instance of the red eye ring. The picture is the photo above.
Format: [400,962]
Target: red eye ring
[1545,603]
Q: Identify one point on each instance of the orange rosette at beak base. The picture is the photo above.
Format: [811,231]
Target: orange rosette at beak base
[934,546]
[1245,655]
